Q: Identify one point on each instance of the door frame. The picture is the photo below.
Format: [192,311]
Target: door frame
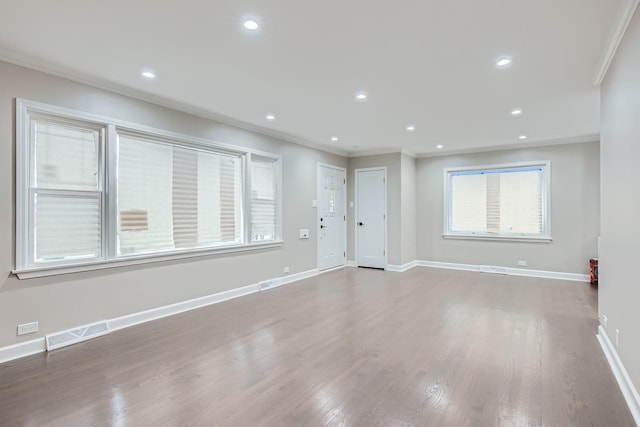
[355,217]
[344,196]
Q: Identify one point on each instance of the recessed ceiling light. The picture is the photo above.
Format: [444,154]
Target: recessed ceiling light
[361,96]
[250,25]
[439,146]
[503,62]
[411,128]
[522,137]
[148,74]
[334,138]
[516,111]
[270,117]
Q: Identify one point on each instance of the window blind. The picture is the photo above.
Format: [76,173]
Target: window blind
[189,198]
[65,192]
[263,199]
[503,202]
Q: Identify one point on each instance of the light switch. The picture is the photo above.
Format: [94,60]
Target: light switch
[350,204]
[304,233]
[314,203]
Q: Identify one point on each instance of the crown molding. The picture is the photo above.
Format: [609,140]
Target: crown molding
[626,11]
[531,144]
[83,78]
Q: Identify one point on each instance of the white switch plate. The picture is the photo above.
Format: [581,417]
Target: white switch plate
[351,204]
[304,233]
[314,203]
[27,328]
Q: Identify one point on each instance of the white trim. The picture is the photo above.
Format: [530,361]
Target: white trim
[38,345]
[627,388]
[526,239]
[351,263]
[318,210]
[50,270]
[109,129]
[532,143]
[301,276]
[625,14]
[386,213]
[73,75]
[22,349]
[401,268]
[558,275]
[180,307]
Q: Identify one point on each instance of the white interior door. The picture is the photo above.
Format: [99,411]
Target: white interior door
[371,217]
[332,228]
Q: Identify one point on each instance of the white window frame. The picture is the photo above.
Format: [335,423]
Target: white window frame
[543,237]
[25,266]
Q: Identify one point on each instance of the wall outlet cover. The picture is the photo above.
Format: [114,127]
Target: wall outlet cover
[28,328]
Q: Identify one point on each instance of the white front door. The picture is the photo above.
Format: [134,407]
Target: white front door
[371,212]
[332,225]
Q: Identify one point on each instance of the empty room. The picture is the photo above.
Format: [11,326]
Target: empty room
[289,213]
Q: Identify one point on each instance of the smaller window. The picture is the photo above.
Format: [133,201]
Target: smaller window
[264,199]
[504,202]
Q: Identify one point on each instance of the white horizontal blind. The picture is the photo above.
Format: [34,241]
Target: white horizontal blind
[497,202]
[65,191]
[177,197]
[264,207]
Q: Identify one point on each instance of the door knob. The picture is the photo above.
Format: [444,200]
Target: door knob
[322,226]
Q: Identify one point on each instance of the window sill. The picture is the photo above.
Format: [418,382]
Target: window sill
[49,270]
[525,239]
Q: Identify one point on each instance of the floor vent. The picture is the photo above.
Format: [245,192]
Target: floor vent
[72,336]
[493,269]
[269,284]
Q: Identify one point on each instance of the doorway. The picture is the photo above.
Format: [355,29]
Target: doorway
[332,216]
[371,217]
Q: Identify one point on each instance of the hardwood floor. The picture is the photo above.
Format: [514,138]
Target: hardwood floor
[354,347]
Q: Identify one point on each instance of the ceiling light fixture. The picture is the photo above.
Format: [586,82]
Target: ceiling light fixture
[411,128]
[516,111]
[361,96]
[504,62]
[250,25]
[334,138]
[439,146]
[522,137]
[270,117]
[148,74]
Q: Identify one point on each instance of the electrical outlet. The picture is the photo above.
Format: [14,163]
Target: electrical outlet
[617,338]
[285,270]
[522,263]
[604,320]
[304,233]
[27,328]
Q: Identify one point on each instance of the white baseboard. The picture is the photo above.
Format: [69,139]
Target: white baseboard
[180,307]
[299,276]
[576,277]
[28,348]
[351,263]
[401,268]
[22,349]
[624,382]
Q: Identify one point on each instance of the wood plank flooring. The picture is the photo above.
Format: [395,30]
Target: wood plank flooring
[354,347]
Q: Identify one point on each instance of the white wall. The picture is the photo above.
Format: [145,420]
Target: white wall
[619,289]
[65,301]
[575,211]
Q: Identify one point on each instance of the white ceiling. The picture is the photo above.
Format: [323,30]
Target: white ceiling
[430,63]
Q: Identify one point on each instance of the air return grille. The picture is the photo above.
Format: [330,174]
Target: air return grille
[72,336]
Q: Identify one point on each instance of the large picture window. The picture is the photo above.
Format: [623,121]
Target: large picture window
[94,192]
[503,202]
